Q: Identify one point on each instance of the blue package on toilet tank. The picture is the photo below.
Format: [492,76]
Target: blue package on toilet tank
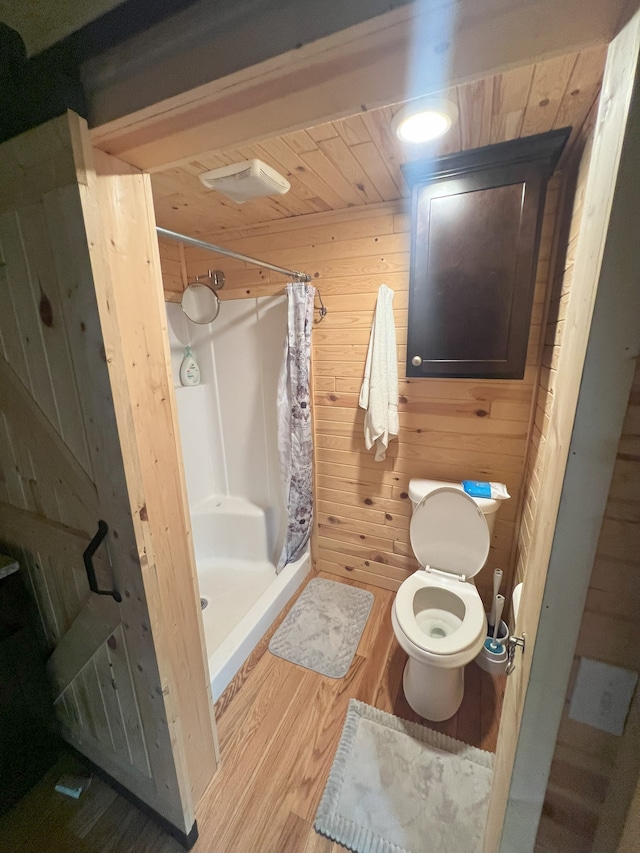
[476,488]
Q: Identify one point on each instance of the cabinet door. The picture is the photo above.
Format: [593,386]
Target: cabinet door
[472,276]
[68,460]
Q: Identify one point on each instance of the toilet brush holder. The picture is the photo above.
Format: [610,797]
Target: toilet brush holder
[495,660]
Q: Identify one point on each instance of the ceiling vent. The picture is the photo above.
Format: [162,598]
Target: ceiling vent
[245,181]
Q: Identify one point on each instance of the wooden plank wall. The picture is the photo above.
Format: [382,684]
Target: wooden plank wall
[450,429]
[173,268]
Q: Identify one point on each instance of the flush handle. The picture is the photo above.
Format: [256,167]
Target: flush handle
[512,644]
[416,361]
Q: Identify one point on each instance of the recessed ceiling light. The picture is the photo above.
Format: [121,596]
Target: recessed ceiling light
[424,120]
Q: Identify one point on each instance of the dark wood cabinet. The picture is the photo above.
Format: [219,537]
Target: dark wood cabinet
[476,220]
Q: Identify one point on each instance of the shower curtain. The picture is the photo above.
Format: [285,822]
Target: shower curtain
[295,439]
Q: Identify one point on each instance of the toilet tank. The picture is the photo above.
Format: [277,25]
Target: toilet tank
[419,488]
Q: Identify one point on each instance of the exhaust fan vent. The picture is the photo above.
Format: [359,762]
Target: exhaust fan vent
[245,181]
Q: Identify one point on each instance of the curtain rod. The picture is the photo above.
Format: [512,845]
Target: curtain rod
[211,247]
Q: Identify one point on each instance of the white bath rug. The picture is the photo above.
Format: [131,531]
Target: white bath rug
[323,628]
[398,787]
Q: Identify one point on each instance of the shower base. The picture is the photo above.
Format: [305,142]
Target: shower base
[244,598]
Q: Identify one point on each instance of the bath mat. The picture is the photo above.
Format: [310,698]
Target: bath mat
[398,787]
[323,628]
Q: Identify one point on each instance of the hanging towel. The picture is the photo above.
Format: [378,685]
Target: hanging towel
[379,391]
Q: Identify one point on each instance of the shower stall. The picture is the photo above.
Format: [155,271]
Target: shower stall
[228,429]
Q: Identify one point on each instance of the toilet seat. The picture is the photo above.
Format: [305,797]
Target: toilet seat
[448,532]
[473,621]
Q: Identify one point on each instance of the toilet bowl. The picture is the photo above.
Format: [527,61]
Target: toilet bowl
[438,616]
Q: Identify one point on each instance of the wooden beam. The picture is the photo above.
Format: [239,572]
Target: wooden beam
[133,290]
[52,538]
[367,65]
[197,47]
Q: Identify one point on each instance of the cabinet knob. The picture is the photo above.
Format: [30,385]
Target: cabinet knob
[416,361]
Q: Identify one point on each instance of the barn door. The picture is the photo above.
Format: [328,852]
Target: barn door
[72,485]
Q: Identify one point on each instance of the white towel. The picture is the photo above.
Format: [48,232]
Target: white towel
[379,391]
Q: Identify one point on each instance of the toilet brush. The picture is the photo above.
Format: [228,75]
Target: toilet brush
[497,580]
[493,645]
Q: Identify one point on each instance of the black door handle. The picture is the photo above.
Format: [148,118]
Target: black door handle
[103,529]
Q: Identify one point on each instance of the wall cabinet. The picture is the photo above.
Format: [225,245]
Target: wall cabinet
[476,220]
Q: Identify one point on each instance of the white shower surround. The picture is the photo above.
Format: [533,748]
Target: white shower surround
[228,429]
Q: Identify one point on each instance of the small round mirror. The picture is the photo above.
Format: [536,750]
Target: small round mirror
[200,303]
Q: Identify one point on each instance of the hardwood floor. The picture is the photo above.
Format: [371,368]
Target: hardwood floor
[279,727]
[101,821]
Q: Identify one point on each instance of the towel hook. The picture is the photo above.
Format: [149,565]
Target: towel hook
[323,311]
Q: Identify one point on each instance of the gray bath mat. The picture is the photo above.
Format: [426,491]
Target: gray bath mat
[398,787]
[323,628]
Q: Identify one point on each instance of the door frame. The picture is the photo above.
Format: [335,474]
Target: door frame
[597,364]
[167,133]
[128,282]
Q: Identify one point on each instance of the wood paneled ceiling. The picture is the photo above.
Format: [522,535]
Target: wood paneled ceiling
[356,161]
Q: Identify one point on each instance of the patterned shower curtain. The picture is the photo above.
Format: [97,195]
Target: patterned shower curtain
[295,439]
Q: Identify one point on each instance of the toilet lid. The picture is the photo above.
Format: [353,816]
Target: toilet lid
[449,532]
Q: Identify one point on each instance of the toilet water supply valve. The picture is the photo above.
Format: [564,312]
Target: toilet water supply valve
[512,645]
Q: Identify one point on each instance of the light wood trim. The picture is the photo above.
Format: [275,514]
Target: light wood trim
[329,77]
[564,538]
[555,249]
[90,630]
[156,480]
[53,538]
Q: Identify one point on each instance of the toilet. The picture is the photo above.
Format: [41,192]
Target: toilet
[438,616]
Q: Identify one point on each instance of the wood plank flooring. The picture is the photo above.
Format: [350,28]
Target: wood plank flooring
[279,727]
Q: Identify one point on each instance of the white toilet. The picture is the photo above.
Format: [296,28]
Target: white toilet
[438,615]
